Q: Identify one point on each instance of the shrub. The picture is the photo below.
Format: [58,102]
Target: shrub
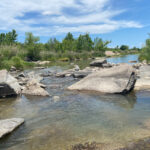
[145,53]
[33,52]
[18,62]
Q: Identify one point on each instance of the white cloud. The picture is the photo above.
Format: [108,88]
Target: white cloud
[94,16]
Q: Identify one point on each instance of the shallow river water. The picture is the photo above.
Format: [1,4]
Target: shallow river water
[114,120]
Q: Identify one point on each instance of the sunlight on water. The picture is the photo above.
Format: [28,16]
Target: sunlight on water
[123,59]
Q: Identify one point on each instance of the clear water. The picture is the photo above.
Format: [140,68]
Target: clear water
[77,118]
[123,59]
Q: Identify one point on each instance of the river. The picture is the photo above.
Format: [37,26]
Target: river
[114,120]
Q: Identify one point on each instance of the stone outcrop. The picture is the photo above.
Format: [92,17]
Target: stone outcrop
[69,72]
[8,84]
[143,81]
[9,125]
[118,79]
[98,62]
[33,87]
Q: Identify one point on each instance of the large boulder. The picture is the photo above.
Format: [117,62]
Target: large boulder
[9,125]
[98,62]
[8,84]
[118,79]
[33,87]
[143,81]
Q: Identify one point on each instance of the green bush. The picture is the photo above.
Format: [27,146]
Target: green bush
[33,52]
[145,53]
[6,64]
[18,63]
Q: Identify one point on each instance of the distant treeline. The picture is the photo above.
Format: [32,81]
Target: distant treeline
[69,48]
[69,43]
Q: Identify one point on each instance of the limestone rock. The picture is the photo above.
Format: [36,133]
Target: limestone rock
[8,84]
[9,125]
[98,62]
[34,88]
[118,79]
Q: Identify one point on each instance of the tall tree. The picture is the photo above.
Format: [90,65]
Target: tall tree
[68,42]
[124,47]
[99,44]
[8,38]
[84,42]
[31,39]
[14,36]
[69,37]
[32,46]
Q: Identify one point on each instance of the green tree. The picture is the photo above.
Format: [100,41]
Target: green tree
[2,38]
[32,46]
[8,38]
[99,44]
[53,45]
[124,47]
[69,37]
[145,53]
[84,42]
[31,39]
[14,36]
[68,43]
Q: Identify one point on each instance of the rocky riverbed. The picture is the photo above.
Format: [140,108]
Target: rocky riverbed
[58,118]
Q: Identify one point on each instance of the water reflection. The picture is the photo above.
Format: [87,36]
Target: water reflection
[124,101]
[123,59]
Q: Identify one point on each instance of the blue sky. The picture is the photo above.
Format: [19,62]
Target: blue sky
[121,21]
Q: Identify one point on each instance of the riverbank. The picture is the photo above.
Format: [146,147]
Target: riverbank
[17,56]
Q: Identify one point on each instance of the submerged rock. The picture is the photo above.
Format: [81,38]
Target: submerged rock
[99,62]
[87,146]
[142,144]
[118,79]
[8,84]
[95,146]
[56,98]
[8,125]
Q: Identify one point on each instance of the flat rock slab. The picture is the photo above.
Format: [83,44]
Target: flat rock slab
[9,125]
[119,79]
